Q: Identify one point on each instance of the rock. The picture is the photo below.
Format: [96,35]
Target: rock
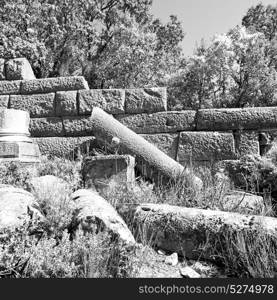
[18,69]
[17,206]
[172,259]
[2,69]
[243,202]
[188,272]
[184,230]
[94,212]
[108,170]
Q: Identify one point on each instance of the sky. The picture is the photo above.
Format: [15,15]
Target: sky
[204,18]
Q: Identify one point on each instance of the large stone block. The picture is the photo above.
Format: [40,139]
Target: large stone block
[18,69]
[167,142]
[247,142]
[112,101]
[41,105]
[237,118]
[10,87]
[210,146]
[146,100]
[103,171]
[44,127]
[161,122]
[2,69]
[48,85]
[66,103]
[77,126]
[4,101]
[67,147]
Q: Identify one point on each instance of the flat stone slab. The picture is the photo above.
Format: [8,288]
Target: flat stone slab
[48,85]
[110,100]
[206,146]
[40,105]
[103,171]
[67,147]
[10,87]
[66,103]
[161,122]
[237,118]
[45,127]
[147,100]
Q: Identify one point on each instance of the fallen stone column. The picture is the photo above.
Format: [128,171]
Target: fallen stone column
[108,129]
[185,230]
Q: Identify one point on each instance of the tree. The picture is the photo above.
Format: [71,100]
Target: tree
[234,71]
[113,43]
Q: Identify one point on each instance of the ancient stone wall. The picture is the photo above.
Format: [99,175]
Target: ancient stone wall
[60,110]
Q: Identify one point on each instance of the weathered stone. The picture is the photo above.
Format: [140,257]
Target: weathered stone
[94,213]
[206,146]
[104,171]
[45,127]
[16,207]
[10,87]
[110,100]
[237,118]
[184,230]
[18,69]
[247,142]
[77,126]
[2,69]
[67,147]
[4,101]
[41,105]
[242,202]
[66,103]
[14,122]
[188,272]
[147,100]
[48,85]
[161,122]
[167,142]
[172,259]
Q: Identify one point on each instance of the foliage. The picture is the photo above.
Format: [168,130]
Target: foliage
[113,43]
[87,256]
[16,174]
[234,71]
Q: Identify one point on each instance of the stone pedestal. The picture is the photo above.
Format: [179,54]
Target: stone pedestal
[15,143]
[101,172]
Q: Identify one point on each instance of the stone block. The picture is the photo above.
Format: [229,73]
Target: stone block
[167,142]
[77,126]
[19,69]
[148,100]
[110,100]
[45,127]
[48,85]
[102,172]
[237,118]
[10,87]
[66,103]
[2,69]
[161,122]
[4,101]
[65,147]
[209,146]
[247,142]
[40,105]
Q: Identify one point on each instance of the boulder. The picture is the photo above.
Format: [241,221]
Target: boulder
[19,69]
[94,213]
[184,230]
[17,206]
